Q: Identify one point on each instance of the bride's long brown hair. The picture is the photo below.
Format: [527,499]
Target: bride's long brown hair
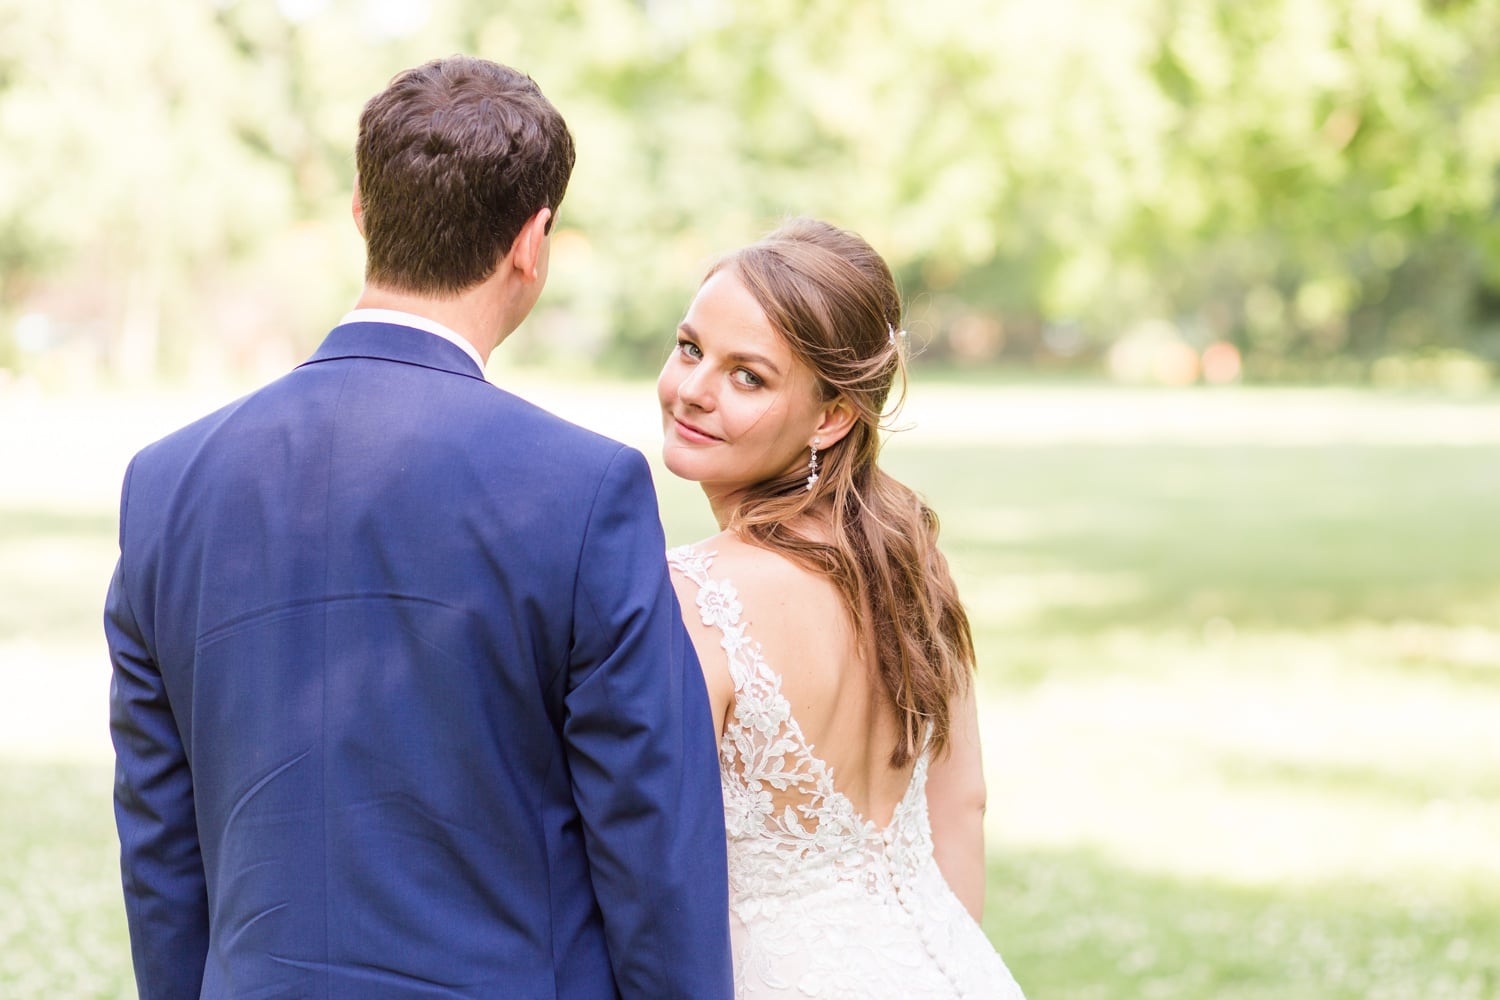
[833,299]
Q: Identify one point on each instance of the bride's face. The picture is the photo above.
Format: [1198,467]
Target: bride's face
[737,407]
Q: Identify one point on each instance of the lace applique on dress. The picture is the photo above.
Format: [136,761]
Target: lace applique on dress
[825,903]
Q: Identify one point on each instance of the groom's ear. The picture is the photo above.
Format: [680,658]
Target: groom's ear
[358,209]
[526,252]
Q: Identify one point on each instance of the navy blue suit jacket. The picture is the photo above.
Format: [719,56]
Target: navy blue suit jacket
[401,701]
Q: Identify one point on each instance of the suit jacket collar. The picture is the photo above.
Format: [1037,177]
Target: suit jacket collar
[392,342]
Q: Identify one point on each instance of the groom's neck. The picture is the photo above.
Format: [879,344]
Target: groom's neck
[473,315]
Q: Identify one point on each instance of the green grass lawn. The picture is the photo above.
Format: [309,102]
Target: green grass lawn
[1255,691]
[1241,679]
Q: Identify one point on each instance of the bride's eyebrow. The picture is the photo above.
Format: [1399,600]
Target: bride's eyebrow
[738,357]
[754,359]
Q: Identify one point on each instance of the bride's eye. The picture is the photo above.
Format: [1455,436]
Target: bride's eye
[748,378]
[689,350]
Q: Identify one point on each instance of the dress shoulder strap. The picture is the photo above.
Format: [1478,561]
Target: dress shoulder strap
[719,607]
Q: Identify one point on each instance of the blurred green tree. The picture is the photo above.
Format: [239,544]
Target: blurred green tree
[1312,180]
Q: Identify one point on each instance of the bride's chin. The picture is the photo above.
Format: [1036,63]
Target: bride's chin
[677,467]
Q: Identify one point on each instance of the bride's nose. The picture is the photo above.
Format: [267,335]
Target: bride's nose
[695,389]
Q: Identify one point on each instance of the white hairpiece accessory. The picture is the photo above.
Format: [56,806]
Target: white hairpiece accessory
[892,331]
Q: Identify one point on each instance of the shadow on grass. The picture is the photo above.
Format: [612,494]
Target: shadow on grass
[1415,789]
[1072,925]
[54,570]
[63,929]
[1261,536]
[31,524]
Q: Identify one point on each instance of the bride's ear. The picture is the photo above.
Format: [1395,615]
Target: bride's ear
[837,420]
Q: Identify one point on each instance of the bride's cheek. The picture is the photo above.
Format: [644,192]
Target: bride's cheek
[763,415]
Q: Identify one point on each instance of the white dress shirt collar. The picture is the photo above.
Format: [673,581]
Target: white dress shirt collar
[399,318]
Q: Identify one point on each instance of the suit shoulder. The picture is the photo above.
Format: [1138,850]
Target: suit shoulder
[187,438]
[582,443]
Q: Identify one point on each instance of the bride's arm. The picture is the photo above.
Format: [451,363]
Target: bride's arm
[955,800]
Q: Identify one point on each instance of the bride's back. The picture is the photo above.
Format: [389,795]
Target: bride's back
[826,671]
[774,401]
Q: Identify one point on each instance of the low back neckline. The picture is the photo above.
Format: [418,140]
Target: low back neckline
[759,705]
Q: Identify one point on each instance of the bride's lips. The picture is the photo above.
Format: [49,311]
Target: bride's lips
[692,434]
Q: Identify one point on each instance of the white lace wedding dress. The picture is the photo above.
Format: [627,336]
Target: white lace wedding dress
[823,903]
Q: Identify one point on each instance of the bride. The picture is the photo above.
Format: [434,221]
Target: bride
[837,655]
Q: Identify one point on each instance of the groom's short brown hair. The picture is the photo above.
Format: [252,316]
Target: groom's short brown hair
[453,157]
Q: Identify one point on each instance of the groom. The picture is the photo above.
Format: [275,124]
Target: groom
[402,704]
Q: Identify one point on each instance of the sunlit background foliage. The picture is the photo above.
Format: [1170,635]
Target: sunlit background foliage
[1111,185]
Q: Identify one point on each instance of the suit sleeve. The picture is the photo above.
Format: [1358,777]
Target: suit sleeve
[642,753]
[161,867]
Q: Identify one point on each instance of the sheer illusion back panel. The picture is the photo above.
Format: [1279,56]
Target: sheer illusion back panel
[804,636]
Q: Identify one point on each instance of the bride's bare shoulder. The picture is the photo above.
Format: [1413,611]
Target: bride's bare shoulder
[745,561]
[770,582]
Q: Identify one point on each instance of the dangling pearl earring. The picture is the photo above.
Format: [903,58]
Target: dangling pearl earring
[812,466]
